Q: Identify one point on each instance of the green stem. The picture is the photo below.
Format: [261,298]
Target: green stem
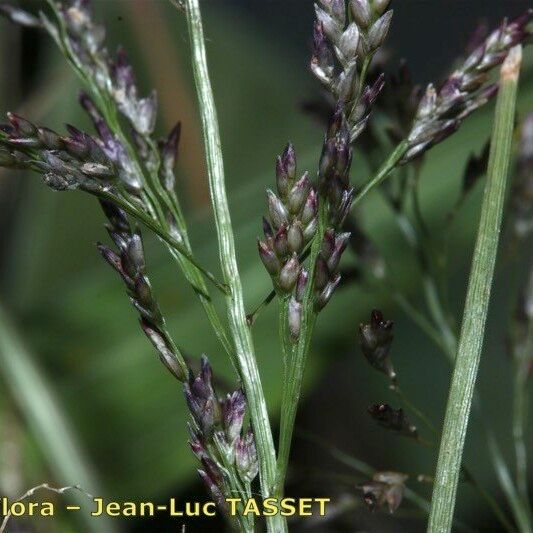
[420,319]
[436,310]
[192,271]
[413,408]
[165,236]
[493,504]
[497,460]
[431,291]
[469,477]
[520,403]
[193,276]
[386,168]
[449,350]
[519,511]
[284,335]
[242,338]
[476,306]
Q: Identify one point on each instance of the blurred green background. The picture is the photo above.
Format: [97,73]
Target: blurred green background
[82,397]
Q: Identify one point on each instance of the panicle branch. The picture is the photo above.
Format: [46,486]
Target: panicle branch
[225,449]
[344,45]
[130,263]
[442,110]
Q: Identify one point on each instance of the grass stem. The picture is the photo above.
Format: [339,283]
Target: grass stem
[477,302]
[242,338]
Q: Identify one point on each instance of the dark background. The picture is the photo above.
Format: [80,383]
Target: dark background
[66,315]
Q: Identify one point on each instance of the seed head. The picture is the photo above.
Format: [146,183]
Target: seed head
[392,419]
[386,488]
[375,339]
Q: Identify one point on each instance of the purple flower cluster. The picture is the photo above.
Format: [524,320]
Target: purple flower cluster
[343,49]
[441,111]
[227,452]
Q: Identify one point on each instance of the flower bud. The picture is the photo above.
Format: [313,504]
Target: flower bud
[136,253]
[167,357]
[392,419]
[214,490]
[325,296]
[332,29]
[269,258]
[233,410]
[375,339]
[57,182]
[298,194]
[289,274]
[295,237]
[22,127]
[246,457]
[349,41]
[322,61]
[310,209]
[361,12]
[201,399]
[111,257]
[378,32]
[145,117]
[97,170]
[340,245]
[281,245]
[379,6]
[336,9]
[310,229]
[347,83]
[294,317]
[282,178]
[289,161]
[301,285]
[278,212]
[321,273]
[49,139]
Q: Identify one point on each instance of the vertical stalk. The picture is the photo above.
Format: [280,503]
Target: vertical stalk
[477,302]
[296,362]
[523,357]
[242,337]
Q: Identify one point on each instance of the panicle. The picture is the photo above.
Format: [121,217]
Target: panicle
[385,489]
[342,50]
[327,276]
[128,260]
[442,110]
[375,339]
[292,222]
[65,162]
[334,169]
[392,419]
[246,457]
[217,436]
[83,42]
